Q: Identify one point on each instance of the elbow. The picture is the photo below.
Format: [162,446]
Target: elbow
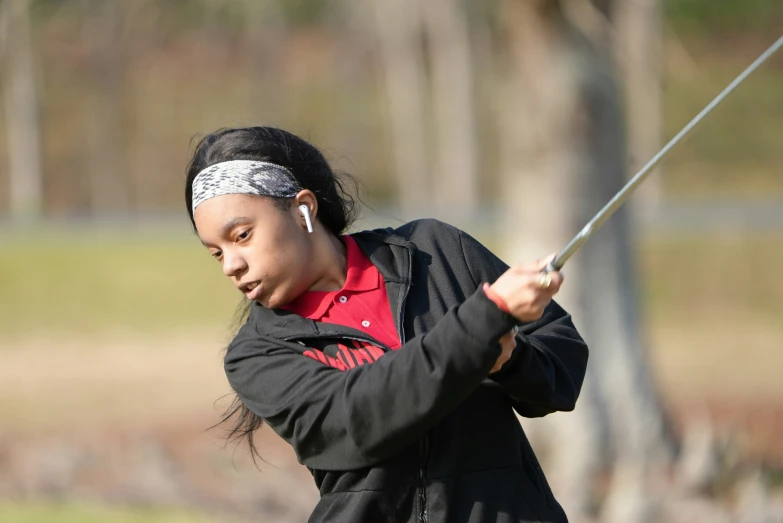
[564,400]
[556,399]
[565,392]
[577,376]
[567,405]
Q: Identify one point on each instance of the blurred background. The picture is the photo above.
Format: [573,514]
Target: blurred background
[515,120]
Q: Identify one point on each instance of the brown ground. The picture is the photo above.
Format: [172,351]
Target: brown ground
[732,375]
[128,422]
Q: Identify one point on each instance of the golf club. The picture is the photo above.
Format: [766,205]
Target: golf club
[604,214]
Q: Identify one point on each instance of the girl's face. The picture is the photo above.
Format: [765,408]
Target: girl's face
[265,251]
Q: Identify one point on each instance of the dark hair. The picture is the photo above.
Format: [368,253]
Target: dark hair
[336,209]
[336,206]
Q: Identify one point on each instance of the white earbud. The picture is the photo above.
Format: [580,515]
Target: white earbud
[306,213]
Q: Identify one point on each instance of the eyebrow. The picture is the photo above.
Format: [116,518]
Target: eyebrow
[230,225]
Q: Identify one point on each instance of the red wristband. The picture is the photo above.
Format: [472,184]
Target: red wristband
[495,297]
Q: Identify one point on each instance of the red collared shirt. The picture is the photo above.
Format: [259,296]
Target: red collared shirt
[362,303]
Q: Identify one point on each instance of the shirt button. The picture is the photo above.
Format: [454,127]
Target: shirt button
[342,299]
[365,323]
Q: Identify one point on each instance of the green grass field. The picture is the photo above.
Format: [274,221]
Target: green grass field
[82,283]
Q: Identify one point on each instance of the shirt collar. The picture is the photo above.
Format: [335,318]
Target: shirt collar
[361,276]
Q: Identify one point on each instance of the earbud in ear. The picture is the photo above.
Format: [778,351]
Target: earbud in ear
[306,213]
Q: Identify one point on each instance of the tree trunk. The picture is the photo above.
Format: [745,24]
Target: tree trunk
[456,184]
[22,111]
[106,121]
[398,30]
[638,48]
[266,33]
[563,159]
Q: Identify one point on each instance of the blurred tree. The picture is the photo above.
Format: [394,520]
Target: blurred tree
[564,157]
[104,28]
[398,29]
[638,43]
[451,62]
[23,126]
[266,32]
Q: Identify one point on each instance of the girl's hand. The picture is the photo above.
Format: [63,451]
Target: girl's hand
[526,290]
[508,343]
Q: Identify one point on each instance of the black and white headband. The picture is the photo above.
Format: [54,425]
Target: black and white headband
[244,177]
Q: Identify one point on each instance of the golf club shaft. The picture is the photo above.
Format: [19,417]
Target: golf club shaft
[620,198]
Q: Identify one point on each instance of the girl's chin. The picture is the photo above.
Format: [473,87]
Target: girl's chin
[273,302]
[270,302]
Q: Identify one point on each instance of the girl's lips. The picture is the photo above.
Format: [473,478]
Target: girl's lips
[254,293]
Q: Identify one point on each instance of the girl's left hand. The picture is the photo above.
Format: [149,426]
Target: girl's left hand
[508,343]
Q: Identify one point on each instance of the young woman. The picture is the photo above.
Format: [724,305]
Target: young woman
[391,360]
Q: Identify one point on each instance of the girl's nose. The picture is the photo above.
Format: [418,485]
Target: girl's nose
[233,264]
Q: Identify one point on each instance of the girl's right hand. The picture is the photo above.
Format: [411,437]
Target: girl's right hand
[524,289]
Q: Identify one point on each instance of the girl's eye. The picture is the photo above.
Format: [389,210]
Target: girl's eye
[217,255]
[243,235]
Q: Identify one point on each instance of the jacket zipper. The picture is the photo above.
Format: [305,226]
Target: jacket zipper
[423,451]
[424,442]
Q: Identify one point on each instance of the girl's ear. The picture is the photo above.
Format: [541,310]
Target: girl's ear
[307,203]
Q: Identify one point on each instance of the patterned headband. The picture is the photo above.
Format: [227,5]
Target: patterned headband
[244,177]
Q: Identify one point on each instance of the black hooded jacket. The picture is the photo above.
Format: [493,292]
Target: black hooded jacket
[424,433]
